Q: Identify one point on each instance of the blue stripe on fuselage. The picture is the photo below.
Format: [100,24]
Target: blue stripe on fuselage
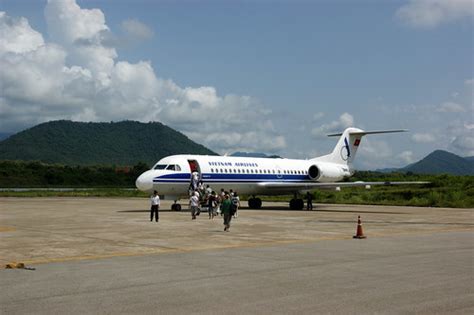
[183,177]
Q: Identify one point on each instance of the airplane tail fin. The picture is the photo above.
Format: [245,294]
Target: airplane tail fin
[346,148]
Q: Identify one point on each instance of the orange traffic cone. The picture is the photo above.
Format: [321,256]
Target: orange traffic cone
[359,233]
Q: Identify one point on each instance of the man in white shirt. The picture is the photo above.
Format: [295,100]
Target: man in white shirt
[155,206]
[194,204]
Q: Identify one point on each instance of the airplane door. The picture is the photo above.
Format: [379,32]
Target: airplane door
[194,168]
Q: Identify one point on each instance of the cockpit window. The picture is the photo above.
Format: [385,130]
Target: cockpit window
[173,167]
[160,166]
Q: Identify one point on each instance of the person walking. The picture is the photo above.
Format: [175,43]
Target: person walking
[194,180]
[194,204]
[235,204]
[221,200]
[211,203]
[309,198]
[155,206]
[226,210]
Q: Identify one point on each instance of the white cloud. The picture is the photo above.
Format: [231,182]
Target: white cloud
[450,107]
[68,23]
[423,137]
[317,116]
[16,35]
[462,138]
[373,154]
[431,13]
[406,157]
[345,120]
[77,76]
[136,29]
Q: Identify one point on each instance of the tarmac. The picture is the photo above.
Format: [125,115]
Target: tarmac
[103,255]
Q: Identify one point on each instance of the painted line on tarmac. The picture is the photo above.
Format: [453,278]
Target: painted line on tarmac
[7,229]
[169,250]
[175,250]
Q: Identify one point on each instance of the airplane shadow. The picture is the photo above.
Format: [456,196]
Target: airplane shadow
[316,209]
[148,210]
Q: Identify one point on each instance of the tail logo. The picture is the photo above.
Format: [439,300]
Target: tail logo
[345,151]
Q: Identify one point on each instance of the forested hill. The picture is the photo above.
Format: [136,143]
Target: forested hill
[79,143]
[442,162]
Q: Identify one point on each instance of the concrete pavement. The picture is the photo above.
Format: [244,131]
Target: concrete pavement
[104,256]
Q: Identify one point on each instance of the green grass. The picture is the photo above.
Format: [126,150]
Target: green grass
[95,192]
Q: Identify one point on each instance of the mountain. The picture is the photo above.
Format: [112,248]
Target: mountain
[442,162]
[256,154]
[469,158]
[81,143]
[4,135]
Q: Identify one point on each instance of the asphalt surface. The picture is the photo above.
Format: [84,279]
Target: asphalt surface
[101,256]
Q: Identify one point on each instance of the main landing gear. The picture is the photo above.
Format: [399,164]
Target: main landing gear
[296,203]
[176,206]
[255,203]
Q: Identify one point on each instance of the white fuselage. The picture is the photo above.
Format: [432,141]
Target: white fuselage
[171,176]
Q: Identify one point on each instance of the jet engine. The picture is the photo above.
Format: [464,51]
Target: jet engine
[324,172]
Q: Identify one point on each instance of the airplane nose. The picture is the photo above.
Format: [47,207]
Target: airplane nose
[144,182]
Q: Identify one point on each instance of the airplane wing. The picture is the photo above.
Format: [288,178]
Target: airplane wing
[314,185]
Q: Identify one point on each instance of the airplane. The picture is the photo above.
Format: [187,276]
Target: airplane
[171,176]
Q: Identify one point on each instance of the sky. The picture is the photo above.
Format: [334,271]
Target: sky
[257,76]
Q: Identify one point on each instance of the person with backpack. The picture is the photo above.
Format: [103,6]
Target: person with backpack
[221,200]
[194,204]
[226,210]
[235,204]
[211,204]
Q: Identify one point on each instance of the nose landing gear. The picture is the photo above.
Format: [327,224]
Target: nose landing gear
[176,206]
[255,203]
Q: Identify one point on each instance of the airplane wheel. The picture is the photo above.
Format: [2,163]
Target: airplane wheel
[176,207]
[296,204]
[299,204]
[251,203]
[255,203]
[292,204]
